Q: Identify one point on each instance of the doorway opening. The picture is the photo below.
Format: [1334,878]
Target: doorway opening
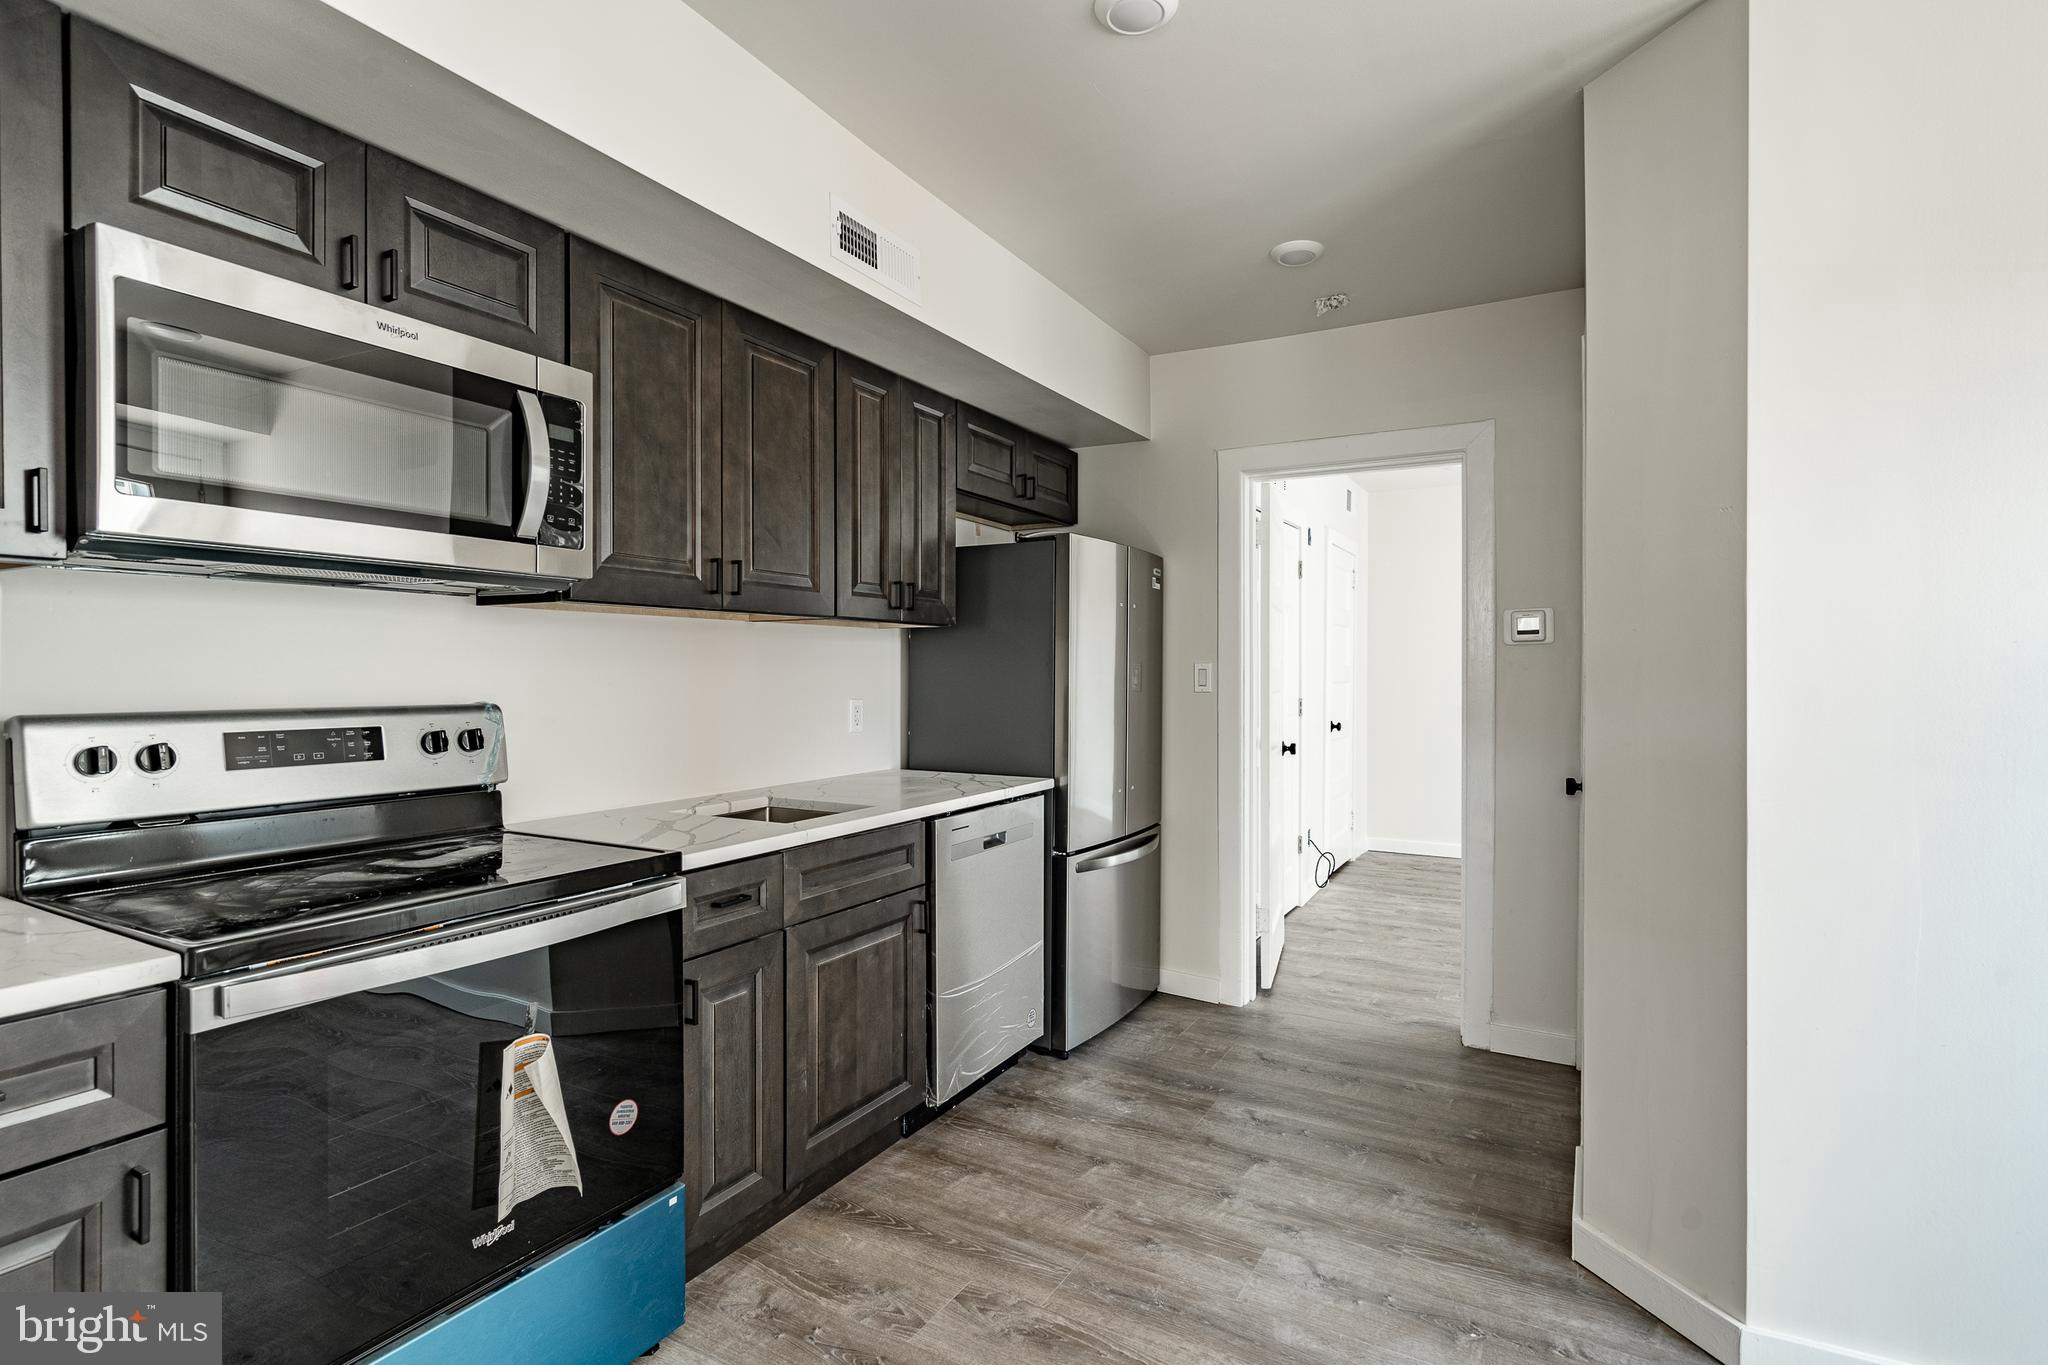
[1293,579]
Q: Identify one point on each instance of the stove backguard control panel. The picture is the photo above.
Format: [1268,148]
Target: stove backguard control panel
[91,770]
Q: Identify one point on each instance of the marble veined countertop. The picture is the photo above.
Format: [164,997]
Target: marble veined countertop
[704,831]
[48,961]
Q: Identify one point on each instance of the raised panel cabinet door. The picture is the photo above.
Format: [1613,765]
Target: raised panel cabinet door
[75,1078]
[95,1222]
[171,152]
[993,456]
[780,508]
[855,1034]
[873,572]
[447,254]
[1052,483]
[32,407]
[929,502]
[733,1079]
[654,345]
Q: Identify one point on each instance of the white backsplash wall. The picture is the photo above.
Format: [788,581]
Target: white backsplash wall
[601,709]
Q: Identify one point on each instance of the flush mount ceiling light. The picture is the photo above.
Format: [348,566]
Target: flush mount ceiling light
[1296,253]
[1133,18]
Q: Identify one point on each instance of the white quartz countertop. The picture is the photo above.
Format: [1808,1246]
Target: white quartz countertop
[48,961]
[704,831]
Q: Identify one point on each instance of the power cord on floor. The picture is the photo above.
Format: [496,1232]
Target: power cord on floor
[1322,877]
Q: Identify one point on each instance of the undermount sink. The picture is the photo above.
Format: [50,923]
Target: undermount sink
[788,812]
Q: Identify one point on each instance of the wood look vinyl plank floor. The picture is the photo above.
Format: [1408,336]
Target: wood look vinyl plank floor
[1327,1175]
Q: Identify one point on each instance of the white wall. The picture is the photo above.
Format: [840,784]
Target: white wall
[601,709]
[1413,624]
[1663,1045]
[1898,743]
[1515,362]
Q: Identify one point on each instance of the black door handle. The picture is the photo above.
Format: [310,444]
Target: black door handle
[1286,748]
[1336,725]
[135,1209]
[690,1014]
[348,261]
[714,581]
[1572,786]
[388,264]
[738,577]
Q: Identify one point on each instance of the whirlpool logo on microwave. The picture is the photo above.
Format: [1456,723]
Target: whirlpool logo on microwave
[403,332]
[166,1329]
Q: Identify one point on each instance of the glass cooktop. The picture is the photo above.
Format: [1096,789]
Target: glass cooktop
[268,912]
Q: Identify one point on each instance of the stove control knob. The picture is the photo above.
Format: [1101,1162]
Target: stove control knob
[156,758]
[434,742]
[471,740]
[94,761]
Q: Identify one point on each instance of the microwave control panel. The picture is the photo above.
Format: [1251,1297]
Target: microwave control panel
[563,523]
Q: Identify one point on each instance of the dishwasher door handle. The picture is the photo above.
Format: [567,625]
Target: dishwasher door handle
[1105,861]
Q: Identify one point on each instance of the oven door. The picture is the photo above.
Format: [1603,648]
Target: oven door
[374,1138]
[229,412]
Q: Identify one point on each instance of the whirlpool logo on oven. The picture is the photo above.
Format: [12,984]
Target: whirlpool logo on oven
[491,1238]
[166,1329]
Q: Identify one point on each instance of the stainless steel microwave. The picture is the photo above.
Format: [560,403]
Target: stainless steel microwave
[237,424]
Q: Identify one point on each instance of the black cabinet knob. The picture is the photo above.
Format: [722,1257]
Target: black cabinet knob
[95,760]
[471,740]
[434,742]
[156,758]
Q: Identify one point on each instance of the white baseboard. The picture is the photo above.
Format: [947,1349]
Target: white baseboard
[1770,1348]
[1692,1317]
[1206,989]
[1425,848]
[1539,1044]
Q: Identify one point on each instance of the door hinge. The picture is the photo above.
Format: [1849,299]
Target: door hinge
[1297,568]
[1297,843]
[1297,706]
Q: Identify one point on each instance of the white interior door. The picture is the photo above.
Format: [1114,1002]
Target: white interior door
[1340,661]
[1273,876]
[1289,701]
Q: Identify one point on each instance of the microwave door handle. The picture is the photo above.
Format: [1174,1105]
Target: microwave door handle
[537,462]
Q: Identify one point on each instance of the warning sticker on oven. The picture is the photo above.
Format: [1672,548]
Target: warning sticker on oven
[535,1152]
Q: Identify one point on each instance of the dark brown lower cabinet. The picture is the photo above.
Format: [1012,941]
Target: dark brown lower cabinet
[94,1222]
[856,1027]
[733,1073]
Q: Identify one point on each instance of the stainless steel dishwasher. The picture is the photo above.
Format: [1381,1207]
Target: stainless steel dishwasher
[988,941]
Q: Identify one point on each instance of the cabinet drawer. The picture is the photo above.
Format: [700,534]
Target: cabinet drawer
[732,904]
[842,873]
[96,1223]
[79,1077]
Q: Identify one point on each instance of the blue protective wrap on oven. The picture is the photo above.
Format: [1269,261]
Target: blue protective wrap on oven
[604,1301]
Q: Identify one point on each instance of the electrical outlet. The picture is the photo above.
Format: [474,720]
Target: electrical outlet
[856,717]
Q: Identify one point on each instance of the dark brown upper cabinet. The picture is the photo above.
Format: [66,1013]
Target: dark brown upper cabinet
[780,540]
[657,491]
[446,254]
[166,150]
[1013,478]
[896,456]
[32,407]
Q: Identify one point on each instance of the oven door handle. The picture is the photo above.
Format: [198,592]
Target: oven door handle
[539,459]
[221,1006]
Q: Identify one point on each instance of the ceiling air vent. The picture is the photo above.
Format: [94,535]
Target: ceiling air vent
[860,245]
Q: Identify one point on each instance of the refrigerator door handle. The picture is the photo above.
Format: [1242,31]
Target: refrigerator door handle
[1104,861]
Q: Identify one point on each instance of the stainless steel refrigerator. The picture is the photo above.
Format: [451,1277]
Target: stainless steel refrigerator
[1054,670]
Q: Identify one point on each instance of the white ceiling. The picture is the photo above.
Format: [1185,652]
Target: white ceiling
[1432,145]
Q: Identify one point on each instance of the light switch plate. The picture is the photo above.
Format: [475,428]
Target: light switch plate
[1526,626]
[1205,678]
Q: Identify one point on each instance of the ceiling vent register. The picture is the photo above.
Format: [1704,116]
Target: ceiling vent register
[862,247]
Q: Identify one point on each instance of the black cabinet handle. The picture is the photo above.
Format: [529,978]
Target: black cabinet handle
[348,261]
[920,917]
[1286,749]
[387,264]
[1031,487]
[739,577]
[1336,725]
[690,1014]
[1572,786]
[135,1205]
[728,902]
[715,580]
[1017,483]
[36,517]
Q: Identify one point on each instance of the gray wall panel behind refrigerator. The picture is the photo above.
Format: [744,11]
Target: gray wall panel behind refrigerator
[982,692]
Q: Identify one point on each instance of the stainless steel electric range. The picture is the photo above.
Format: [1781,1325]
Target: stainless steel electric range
[413,1050]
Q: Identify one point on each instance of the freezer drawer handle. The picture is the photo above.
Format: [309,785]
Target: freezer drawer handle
[1144,850]
[136,1205]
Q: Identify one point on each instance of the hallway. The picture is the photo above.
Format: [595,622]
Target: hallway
[1324,1176]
